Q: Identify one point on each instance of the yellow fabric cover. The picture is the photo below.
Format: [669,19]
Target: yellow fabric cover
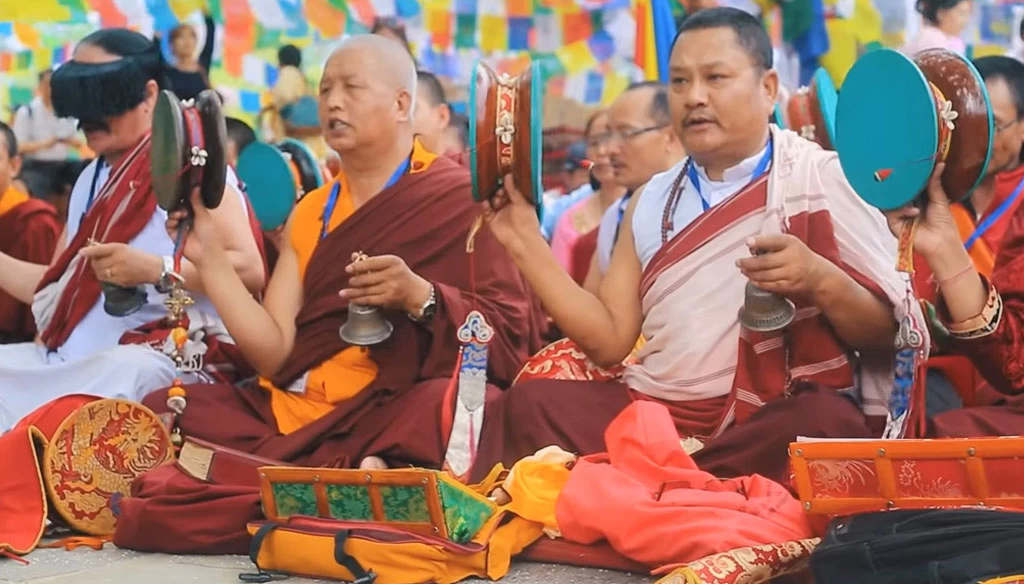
[534,484]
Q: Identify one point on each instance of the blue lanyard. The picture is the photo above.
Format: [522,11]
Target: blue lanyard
[332,200]
[989,221]
[762,166]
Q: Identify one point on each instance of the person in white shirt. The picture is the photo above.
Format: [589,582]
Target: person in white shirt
[46,141]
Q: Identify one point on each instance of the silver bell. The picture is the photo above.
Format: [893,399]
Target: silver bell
[366,326]
[765,312]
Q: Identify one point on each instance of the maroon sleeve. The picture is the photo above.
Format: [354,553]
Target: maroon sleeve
[999,356]
[36,239]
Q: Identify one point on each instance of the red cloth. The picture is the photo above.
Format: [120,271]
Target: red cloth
[398,417]
[23,506]
[29,233]
[582,255]
[118,214]
[691,514]
[168,512]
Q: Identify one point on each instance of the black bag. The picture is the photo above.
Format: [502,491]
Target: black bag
[955,546]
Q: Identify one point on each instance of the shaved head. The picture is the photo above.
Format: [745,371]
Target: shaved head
[390,60]
[367,95]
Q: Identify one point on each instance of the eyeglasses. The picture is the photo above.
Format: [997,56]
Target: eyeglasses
[1002,128]
[625,136]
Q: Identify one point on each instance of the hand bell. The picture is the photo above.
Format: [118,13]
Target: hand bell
[119,301]
[366,326]
[765,312]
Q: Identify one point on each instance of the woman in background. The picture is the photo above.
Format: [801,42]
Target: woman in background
[190,75]
[575,237]
[943,25]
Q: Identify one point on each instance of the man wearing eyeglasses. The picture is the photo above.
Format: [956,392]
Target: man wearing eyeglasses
[641,144]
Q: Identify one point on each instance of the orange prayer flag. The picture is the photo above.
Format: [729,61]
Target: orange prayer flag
[576,26]
[325,17]
[6,61]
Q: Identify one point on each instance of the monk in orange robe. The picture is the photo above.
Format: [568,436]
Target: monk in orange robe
[980,298]
[320,400]
[983,218]
[28,231]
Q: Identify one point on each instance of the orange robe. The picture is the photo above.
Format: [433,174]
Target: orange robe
[28,231]
[352,370]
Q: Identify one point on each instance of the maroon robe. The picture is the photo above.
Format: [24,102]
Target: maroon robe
[423,219]
[28,232]
[999,357]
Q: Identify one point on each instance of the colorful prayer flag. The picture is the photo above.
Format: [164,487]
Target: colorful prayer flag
[576,57]
[328,20]
[27,34]
[519,33]
[249,101]
[465,31]
[494,33]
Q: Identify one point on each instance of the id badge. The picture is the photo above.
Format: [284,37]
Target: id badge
[299,386]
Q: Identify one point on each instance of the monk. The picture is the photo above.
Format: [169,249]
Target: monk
[982,313]
[983,217]
[640,144]
[28,232]
[111,86]
[321,401]
[678,273]
[432,115]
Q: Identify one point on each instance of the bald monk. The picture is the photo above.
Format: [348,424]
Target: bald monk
[678,274]
[321,401]
[28,231]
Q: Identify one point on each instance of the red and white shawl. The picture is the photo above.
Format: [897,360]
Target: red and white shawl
[691,293]
[120,211]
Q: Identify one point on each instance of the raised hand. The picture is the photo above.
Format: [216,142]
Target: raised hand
[203,238]
[936,234]
[784,265]
[510,216]
[387,282]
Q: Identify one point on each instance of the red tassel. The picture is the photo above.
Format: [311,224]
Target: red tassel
[9,555]
[882,174]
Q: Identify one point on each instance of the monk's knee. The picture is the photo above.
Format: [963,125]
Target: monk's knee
[530,400]
[822,412]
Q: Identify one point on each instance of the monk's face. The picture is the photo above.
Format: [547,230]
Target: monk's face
[430,121]
[117,134]
[720,98]
[1006,146]
[597,148]
[361,107]
[638,143]
[9,165]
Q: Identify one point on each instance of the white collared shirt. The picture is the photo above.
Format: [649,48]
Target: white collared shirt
[651,207]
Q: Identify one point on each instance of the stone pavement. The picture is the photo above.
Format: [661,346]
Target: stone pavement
[114,566]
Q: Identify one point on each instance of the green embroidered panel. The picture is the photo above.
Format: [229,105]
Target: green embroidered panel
[351,502]
[464,514]
[294,499]
[405,504]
